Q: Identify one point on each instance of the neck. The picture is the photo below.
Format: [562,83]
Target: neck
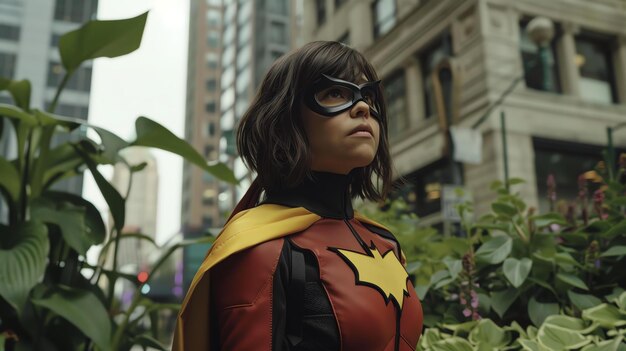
[326,194]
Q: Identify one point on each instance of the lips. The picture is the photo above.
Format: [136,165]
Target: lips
[362,128]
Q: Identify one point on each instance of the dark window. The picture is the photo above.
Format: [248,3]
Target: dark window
[594,59]
[207,222]
[54,39]
[566,162]
[320,6]
[9,32]
[211,84]
[429,59]
[213,39]
[210,107]
[77,11]
[277,6]
[275,54]
[396,103]
[278,33]
[339,3]
[211,59]
[7,65]
[533,66]
[207,150]
[422,189]
[80,80]
[384,16]
[211,129]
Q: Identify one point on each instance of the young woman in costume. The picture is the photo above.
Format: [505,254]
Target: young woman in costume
[299,269]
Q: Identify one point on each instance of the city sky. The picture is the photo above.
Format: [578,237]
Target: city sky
[149,82]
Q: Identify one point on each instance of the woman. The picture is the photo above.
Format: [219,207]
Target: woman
[301,270]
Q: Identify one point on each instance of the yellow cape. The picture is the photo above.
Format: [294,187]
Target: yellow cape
[246,229]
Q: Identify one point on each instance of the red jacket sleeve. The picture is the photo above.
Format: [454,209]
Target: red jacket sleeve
[241,292]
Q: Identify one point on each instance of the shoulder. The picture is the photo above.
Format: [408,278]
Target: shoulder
[383,231]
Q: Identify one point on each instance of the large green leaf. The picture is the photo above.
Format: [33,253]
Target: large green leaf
[10,180]
[572,280]
[152,134]
[453,343]
[69,218]
[539,311]
[487,335]
[608,316]
[583,301]
[495,250]
[615,230]
[83,309]
[96,230]
[23,261]
[559,338]
[16,113]
[146,340]
[19,90]
[570,323]
[516,271]
[548,219]
[618,250]
[504,209]
[607,345]
[502,300]
[101,39]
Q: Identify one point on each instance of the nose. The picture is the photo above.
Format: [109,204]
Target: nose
[360,109]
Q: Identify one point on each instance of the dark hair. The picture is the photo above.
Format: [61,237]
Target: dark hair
[271,137]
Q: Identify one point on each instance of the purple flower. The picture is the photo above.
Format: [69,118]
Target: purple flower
[467,312]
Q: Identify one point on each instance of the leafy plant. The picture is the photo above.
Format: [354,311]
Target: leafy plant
[44,297]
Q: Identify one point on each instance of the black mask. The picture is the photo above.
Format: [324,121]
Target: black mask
[330,96]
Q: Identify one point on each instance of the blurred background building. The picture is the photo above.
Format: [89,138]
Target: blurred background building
[556,117]
[29,38]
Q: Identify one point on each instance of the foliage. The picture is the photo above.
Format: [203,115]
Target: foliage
[44,296]
[600,328]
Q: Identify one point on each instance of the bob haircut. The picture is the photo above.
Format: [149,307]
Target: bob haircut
[271,137]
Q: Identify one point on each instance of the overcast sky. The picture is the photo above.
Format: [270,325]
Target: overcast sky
[150,82]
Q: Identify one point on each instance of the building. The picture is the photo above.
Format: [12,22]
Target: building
[231,45]
[29,36]
[555,122]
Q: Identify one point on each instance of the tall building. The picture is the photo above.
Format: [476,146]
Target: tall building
[231,45]
[29,37]
[555,118]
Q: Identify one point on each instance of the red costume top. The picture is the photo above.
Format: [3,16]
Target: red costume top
[338,284]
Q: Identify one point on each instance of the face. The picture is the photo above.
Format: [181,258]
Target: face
[341,141]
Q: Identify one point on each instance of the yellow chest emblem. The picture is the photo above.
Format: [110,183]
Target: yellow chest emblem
[383,272]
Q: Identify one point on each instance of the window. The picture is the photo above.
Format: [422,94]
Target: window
[227,77]
[54,39]
[228,98]
[396,104]
[210,107]
[80,80]
[566,162]
[243,57]
[7,65]
[278,33]
[207,222]
[422,190]
[429,59]
[213,39]
[594,60]
[228,55]
[211,129]
[229,34]
[70,110]
[533,69]
[339,3]
[245,31]
[384,16]
[77,11]
[208,149]
[245,12]
[213,18]
[211,60]
[275,54]
[320,5]
[277,6]
[243,80]
[9,32]
[211,84]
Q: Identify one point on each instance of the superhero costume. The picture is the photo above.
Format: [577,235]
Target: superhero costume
[302,271]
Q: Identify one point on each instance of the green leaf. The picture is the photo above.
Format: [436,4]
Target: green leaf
[558,338]
[453,343]
[607,316]
[488,334]
[613,231]
[607,345]
[10,180]
[572,280]
[502,300]
[538,311]
[69,218]
[503,209]
[83,309]
[96,232]
[146,340]
[547,219]
[618,250]
[152,134]
[23,262]
[19,90]
[516,271]
[570,323]
[454,266]
[495,250]
[101,39]
[16,113]
[583,301]
[621,302]
[515,181]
